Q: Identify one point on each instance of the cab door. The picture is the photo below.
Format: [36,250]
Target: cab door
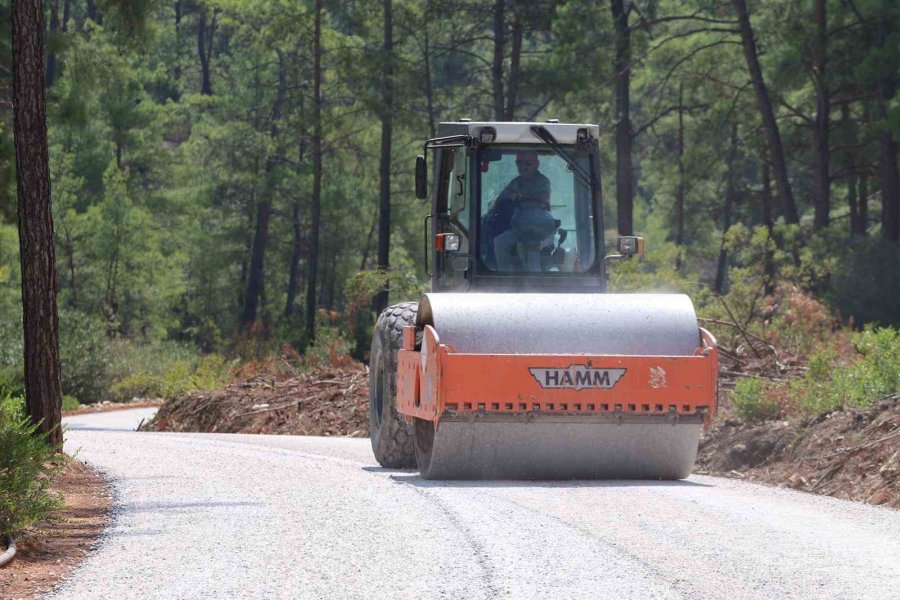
[452,211]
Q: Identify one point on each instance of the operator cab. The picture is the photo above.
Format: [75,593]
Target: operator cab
[515,206]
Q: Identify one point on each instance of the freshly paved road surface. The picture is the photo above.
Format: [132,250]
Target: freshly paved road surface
[239,516]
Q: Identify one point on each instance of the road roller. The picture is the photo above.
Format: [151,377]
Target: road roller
[518,364]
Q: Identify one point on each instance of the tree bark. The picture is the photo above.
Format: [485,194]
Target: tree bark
[679,194]
[256,290]
[497,62]
[863,204]
[43,392]
[92,12]
[769,222]
[730,192]
[624,169]
[764,104]
[853,203]
[387,115]
[890,193]
[205,80]
[429,86]
[890,186]
[296,255]
[821,191]
[50,75]
[515,57]
[69,250]
[312,270]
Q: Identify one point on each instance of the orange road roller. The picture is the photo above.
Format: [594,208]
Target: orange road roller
[518,364]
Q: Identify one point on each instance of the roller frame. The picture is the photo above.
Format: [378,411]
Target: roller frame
[437,382]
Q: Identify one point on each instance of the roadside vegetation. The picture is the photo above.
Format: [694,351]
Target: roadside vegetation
[28,466]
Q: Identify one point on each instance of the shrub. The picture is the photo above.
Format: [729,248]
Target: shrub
[177,378]
[70,403]
[11,381]
[834,382]
[28,466]
[866,281]
[84,355]
[753,402]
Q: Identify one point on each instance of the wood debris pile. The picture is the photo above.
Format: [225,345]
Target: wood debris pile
[327,401]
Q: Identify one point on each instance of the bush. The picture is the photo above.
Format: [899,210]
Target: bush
[866,282]
[84,355]
[832,382]
[28,466]
[174,380]
[752,401]
[70,403]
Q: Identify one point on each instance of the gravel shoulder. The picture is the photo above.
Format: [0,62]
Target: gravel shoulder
[214,516]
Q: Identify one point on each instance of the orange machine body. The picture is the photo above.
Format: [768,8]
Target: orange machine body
[437,381]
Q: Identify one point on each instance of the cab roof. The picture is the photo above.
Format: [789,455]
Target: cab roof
[517,133]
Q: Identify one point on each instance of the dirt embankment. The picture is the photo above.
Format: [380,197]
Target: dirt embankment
[850,454]
[329,401]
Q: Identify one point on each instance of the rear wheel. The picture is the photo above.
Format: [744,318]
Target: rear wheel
[392,437]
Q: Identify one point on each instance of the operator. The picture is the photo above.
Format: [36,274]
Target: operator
[521,214]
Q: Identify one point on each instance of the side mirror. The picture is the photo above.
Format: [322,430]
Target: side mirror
[421,178]
[631,245]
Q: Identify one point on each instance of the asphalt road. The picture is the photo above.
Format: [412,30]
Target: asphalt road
[238,516]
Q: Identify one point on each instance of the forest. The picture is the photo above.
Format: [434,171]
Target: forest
[234,177]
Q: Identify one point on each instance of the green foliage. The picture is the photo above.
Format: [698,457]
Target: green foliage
[833,382]
[70,403]
[169,378]
[330,343]
[27,468]
[752,400]
[865,283]
[85,356]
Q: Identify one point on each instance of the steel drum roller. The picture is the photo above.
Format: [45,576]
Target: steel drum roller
[559,446]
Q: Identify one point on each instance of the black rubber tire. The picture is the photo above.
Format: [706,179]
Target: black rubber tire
[392,437]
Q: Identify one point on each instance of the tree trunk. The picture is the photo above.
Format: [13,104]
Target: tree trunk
[890,194]
[387,115]
[730,192]
[429,86]
[853,204]
[679,194]
[256,290]
[312,264]
[624,169]
[69,250]
[296,255]
[205,81]
[43,393]
[50,75]
[821,189]
[497,63]
[92,12]
[769,222]
[890,187]
[863,204]
[256,275]
[512,90]
[764,104]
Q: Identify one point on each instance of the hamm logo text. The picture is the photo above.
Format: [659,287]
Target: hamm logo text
[577,377]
